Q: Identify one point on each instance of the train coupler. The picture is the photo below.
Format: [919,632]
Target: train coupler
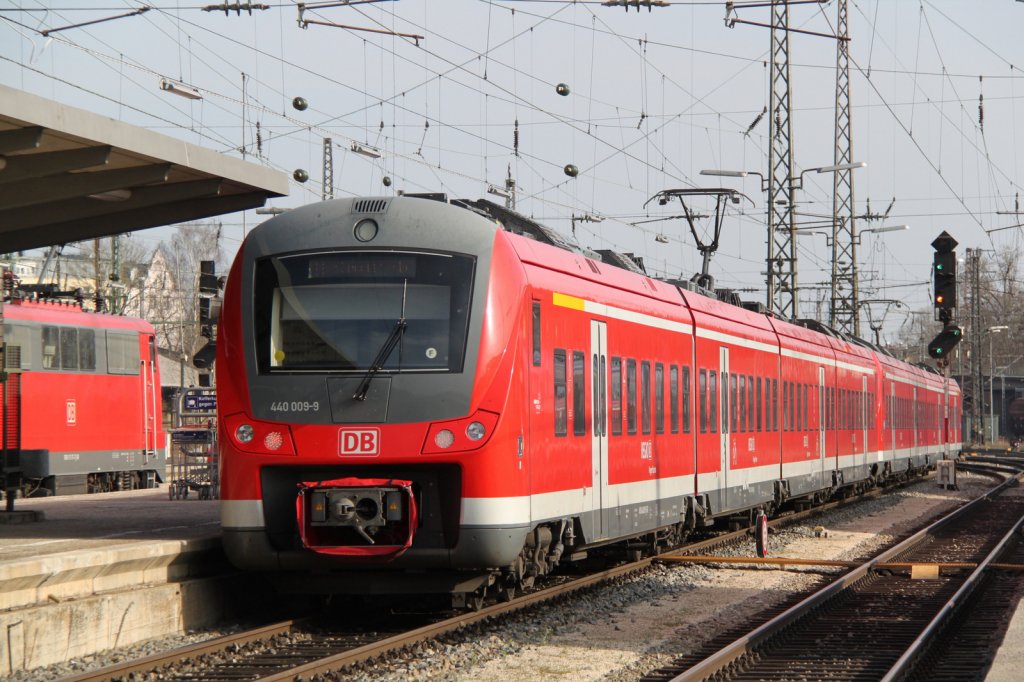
[357,517]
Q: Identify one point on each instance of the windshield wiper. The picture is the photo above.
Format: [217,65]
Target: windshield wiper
[382,356]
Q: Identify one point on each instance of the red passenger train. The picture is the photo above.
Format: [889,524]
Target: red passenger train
[418,395]
[81,401]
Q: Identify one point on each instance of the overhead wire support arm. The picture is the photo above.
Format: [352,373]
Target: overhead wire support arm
[306,23]
[731,19]
[47,32]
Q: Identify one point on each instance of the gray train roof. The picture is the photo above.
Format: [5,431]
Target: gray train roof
[67,174]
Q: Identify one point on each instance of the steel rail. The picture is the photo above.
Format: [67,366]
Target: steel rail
[919,645]
[746,644]
[139,665]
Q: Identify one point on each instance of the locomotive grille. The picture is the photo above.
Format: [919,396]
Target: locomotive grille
[370,206]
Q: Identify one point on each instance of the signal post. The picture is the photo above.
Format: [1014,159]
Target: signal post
[944,300]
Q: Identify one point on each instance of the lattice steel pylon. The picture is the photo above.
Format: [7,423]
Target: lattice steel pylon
[328,188]
[781,271]
[844,313]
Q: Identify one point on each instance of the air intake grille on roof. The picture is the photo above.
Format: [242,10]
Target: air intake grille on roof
[370,206]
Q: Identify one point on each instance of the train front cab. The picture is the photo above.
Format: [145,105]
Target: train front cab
[421,421]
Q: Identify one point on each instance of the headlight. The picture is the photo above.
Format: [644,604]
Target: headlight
[245,433]
[365,229]
[444,438]
[475,431]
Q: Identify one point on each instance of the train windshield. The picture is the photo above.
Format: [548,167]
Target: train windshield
[334,311]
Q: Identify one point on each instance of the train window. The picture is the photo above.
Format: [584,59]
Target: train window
[830,421]
[775,404]
[87,349]
[335,311]
[807,406]
[686,399]
[51,348]
[801,407]
[798,406]
[68,348]
[742,402]
[597,379]
[794,412]
[602,413]
[645,396]
[659,398]
[561,420]
[794,405]
[673,398]
[759,404]
[785,406]
[750,403]
[734,406]
[616,396]
[713,400]
[536,334]
[122,353]
[702,380]
[631,397]
[579,394]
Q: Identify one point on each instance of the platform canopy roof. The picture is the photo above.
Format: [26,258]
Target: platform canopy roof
[68,175]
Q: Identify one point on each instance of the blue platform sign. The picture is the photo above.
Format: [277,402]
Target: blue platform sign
[199,402]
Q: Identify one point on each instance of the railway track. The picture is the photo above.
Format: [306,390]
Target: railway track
[303,647]
[883,618]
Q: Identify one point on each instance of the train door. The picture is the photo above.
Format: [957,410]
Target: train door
[150,405]
[599,432]
[725,436]
[821,424]
[861,455]
[914,413]
[892,419]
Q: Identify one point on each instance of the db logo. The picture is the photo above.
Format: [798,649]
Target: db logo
[359,442]
[72,413]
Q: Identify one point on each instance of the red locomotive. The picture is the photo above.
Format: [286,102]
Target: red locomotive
[420,395]
[81,400]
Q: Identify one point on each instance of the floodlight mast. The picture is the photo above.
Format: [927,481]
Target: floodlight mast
[707,250]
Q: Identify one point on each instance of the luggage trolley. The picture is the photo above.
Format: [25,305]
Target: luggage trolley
[194,457]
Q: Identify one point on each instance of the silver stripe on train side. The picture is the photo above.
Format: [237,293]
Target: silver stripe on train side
[738,341]
[525,509]
[840,364]
[241,514]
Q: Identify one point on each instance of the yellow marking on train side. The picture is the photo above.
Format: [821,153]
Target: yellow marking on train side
[566,301]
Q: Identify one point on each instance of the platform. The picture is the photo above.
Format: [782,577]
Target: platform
[105,570]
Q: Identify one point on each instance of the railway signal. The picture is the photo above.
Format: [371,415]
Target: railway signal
[944,276]
[209,312]
[943,344]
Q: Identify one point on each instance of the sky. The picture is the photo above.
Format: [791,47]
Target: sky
[469,94]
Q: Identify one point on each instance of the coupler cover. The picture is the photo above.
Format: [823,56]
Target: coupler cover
[358,517]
